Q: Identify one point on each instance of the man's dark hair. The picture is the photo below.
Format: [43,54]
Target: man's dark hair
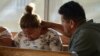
[72,10]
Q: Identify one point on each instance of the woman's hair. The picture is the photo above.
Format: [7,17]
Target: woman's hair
[30,19]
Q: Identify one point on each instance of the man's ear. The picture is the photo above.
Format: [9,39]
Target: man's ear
[72,23]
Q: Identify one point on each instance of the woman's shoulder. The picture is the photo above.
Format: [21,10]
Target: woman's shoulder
[51,33]
[19,35]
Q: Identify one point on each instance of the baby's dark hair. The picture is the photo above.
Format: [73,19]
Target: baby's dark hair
[30,19]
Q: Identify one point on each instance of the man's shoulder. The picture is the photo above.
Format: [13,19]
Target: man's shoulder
[89,26]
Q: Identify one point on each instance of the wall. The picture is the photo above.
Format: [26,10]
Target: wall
[91,7]
[12,10]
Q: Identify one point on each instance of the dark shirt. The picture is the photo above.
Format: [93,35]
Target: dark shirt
[86,40]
